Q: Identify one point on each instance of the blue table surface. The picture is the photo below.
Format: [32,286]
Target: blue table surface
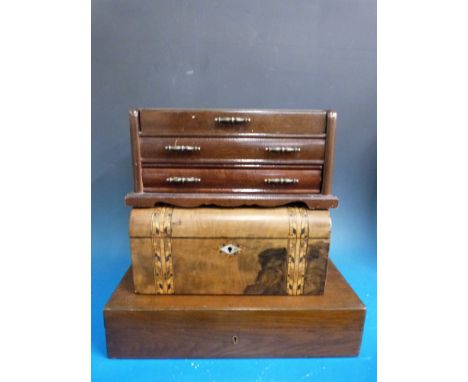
[358,267]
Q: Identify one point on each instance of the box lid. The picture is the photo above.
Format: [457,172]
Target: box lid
[282,222]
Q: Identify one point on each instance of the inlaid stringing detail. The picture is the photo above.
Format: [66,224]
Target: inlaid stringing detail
[304,241]
[297,249]
[291,251]
[161,239]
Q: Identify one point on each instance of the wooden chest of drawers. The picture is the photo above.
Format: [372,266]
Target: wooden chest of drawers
[229,158]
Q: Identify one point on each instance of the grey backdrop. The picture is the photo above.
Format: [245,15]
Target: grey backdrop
[236,54]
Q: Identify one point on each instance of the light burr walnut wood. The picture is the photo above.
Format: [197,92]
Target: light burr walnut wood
[229,251]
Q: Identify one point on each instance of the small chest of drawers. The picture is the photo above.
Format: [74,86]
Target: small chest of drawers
[229,158]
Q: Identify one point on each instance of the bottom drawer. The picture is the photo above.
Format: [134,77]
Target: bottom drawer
[232,179]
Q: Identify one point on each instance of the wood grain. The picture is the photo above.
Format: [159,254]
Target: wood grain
[133,117]
[229,223]
[230,199]
[232,180]
[277,250]
[232,159]
[233,150]
[161,122]
[143,326]
[329,154]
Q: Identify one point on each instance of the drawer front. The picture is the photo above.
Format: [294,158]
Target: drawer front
[231,150]
[232,179]
[226,123]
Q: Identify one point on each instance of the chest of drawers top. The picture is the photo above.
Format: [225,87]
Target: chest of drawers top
[190,158]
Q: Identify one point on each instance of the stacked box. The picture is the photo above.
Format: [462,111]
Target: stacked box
[230,235]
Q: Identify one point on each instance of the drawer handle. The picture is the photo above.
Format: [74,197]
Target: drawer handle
[282,149]
[281,180]
[177,179]
[182,148]
[232,120]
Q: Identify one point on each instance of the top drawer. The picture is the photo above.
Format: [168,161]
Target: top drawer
[159,122]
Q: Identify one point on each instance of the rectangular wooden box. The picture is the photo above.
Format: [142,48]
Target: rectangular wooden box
[229,251]
[230,158]
[149,326]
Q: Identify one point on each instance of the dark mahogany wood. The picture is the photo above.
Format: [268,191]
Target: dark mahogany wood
[136,156]
[160,122]
[232,152]
[230,180]
[168,326]
[329,154]
[229,199]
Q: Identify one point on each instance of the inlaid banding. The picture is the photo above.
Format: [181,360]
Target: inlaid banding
[161,231]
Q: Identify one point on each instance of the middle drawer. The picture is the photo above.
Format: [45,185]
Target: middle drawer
[232,150]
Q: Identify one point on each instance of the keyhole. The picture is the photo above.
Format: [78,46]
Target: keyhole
[235,340]
[229,249]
